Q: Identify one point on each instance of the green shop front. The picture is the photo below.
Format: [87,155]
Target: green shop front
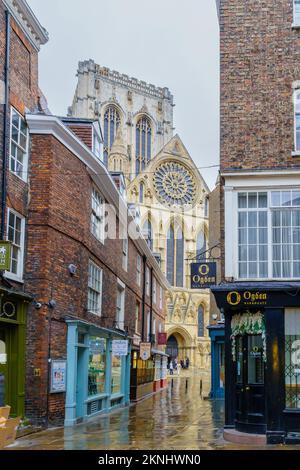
[262,358]
[13,310]
[98,371]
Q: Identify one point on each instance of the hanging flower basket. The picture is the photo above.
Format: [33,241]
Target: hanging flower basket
[248,324]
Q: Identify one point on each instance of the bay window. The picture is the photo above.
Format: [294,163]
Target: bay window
[269,234]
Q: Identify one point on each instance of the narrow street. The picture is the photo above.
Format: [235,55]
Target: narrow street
[177,418]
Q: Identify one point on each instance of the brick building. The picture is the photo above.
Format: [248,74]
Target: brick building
[101,284]
[21,36]
[260,216]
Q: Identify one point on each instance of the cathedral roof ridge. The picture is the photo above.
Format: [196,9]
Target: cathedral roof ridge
[125,80]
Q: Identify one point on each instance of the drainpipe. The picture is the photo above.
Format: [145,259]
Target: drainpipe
[5,123]
[144,298]
[151,305]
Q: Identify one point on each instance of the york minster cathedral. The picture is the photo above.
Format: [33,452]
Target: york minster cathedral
[164,185]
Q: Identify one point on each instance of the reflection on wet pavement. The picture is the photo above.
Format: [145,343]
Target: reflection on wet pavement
[177,418]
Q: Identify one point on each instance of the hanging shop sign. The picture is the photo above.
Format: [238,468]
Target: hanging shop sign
[145,351]
[203,275]
[120,347]
[58,376]
[5,255]
[162,339]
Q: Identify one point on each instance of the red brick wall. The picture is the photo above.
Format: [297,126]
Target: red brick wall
[84,132]
[260,59]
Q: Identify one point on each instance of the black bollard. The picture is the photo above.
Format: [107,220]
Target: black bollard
[201,387]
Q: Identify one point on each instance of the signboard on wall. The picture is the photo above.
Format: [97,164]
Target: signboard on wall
[5,255]
[120,347]
[162,339]
[58,376]
[145,351]
[203,275]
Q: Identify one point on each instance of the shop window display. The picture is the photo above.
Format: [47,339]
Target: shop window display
[96,370]
[292,358]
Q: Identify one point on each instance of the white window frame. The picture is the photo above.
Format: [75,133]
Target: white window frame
[9,274]
[137,317]
[296,24]
[120,310]
[99,214]
[154,290]
[231,231]
[147,281]
[24,176]
[148,326]
[296,92]
[160,297]
[154,327]
[138,270]
[99,292]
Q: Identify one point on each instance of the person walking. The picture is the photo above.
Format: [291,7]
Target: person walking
[171,367]
[187,363]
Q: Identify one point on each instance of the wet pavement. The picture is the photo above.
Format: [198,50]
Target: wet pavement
[175,419]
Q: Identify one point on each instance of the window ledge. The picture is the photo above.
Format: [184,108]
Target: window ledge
[296,153]
[14,277]
[116,396]
[295,26]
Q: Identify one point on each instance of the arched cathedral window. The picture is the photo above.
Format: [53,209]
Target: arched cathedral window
[175,257]
[201,245]
[112,121]
[141,193]
[148,233]
[143,143]
[200,321]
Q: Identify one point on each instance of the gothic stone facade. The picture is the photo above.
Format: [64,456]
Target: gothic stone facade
[99,90]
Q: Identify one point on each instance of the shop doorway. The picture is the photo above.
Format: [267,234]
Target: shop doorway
[172,347]
[250,384]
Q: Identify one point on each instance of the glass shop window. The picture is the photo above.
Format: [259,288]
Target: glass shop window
[239,359]
[116,374]
[97,366]
[292,358]
[255,360]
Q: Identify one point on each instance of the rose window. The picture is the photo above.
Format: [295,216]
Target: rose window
[174,184]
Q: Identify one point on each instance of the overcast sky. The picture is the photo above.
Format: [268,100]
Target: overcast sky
[171,43]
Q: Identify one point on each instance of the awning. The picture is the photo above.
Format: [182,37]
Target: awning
[96,329]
